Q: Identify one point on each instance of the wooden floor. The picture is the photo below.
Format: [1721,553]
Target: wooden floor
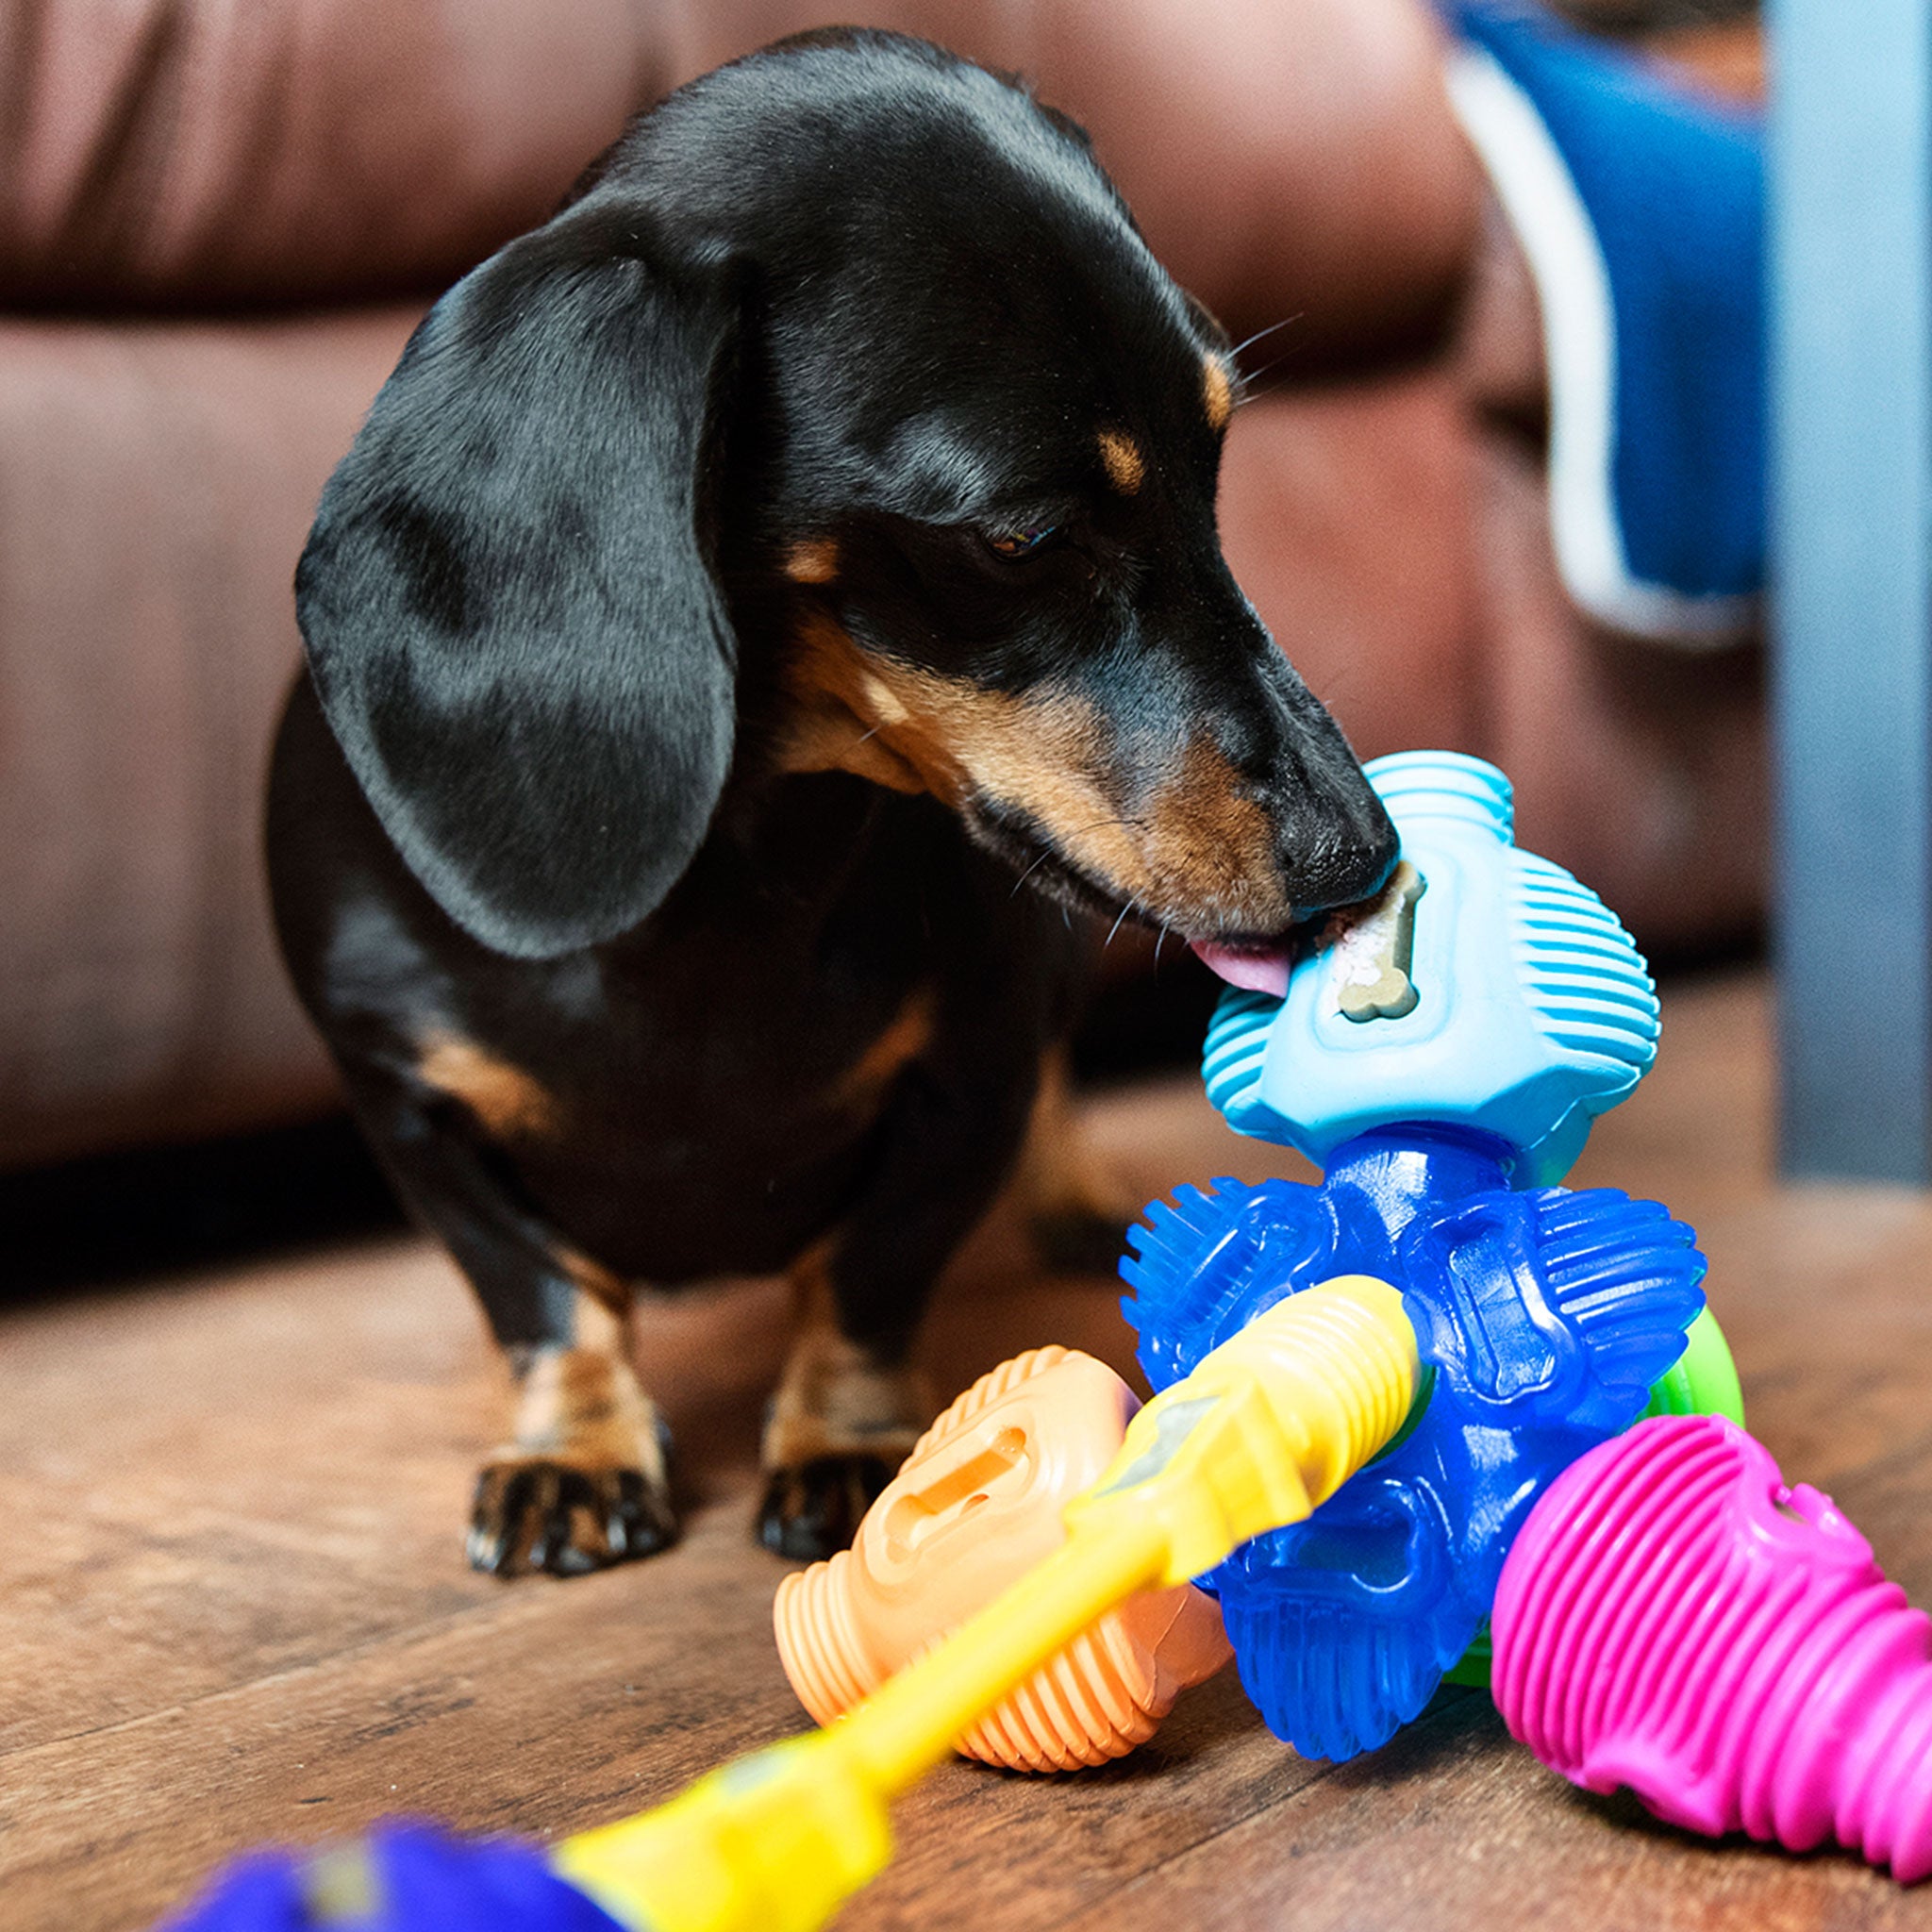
[233,1607]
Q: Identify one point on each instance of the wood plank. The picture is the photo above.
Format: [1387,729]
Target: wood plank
[1452,1829]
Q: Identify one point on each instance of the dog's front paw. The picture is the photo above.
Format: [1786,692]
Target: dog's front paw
[585,1481]
[538,1513]
[841,1424]
[812,1509]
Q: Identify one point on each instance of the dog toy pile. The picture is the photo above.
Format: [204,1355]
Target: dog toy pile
[1387,1405]
[1443,1054]
[1674,1619]
[1266,1428]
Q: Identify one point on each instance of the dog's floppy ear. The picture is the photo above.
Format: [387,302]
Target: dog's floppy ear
[508,596]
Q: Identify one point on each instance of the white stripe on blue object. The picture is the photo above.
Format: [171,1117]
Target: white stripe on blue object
[1639,208]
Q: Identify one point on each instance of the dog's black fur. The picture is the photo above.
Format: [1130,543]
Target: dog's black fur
[688,682]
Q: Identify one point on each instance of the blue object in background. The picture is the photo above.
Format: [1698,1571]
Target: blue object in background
[1639,206]
[1851,153]
[1442,1113]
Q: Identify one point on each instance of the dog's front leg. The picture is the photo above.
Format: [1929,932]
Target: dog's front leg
[851,1404]
[583,1480]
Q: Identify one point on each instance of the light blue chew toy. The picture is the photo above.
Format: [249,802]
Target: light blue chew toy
[1503,998]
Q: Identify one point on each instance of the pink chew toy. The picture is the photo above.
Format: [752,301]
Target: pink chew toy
[1674,1617]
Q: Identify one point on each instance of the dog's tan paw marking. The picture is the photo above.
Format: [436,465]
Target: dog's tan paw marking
[585,1483]
[838,1429]
[834,1399]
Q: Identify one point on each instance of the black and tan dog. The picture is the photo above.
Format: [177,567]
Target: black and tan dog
[741,584]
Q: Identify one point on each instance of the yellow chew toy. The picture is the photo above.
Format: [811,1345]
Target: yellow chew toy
[1266,1428]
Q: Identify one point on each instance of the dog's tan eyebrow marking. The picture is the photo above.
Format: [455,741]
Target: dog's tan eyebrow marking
[1127,468]
[1217,390]
[503,1096]
[813,560]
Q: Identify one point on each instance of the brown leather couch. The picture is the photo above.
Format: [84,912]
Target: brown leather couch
[219,223]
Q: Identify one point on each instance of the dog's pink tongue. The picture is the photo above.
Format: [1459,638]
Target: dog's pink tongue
[1253,972]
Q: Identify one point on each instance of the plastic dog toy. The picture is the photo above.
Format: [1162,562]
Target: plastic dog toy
[978,1503]
[1443,1057]
[980,1500]
[1674,1617]
[1262,1432]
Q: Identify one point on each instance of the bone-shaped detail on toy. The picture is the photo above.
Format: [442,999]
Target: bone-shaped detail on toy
[1374,951]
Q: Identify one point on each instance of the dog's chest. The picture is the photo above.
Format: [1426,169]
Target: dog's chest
[722,1081]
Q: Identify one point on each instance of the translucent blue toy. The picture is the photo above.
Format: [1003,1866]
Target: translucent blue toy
[1443,1057]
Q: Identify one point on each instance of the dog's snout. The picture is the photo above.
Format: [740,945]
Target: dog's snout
[1341,850]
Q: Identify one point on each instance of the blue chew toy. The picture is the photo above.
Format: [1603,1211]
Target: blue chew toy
[1443,1058]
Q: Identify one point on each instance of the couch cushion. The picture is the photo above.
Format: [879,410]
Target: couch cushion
[1286,160]
[155,485]
[210,152]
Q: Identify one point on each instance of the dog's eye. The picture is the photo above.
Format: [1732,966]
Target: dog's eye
[1013,545]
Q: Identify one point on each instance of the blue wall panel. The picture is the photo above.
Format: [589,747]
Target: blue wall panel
[1851,170]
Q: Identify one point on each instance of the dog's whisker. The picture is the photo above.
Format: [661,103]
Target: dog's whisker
[1249,397]
[1269,330]
[1249,387]
[1028,873]
[1080,832]
[1128,907]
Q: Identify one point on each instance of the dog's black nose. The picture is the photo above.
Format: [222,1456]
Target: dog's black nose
[1343,851]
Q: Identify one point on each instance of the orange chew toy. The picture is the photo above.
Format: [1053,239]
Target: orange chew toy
[976,1506]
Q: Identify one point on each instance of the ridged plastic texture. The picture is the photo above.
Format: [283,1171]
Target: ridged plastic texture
[978,1502]
[1674,1619]
[1268,1426]
[1544,1318]
[1534,1011]
[1702,1381]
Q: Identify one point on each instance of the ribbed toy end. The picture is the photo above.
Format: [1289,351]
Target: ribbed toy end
[1798,1702]
[977,1505]
[823,1655]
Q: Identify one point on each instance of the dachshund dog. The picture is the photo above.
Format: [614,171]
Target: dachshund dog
[761,602]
